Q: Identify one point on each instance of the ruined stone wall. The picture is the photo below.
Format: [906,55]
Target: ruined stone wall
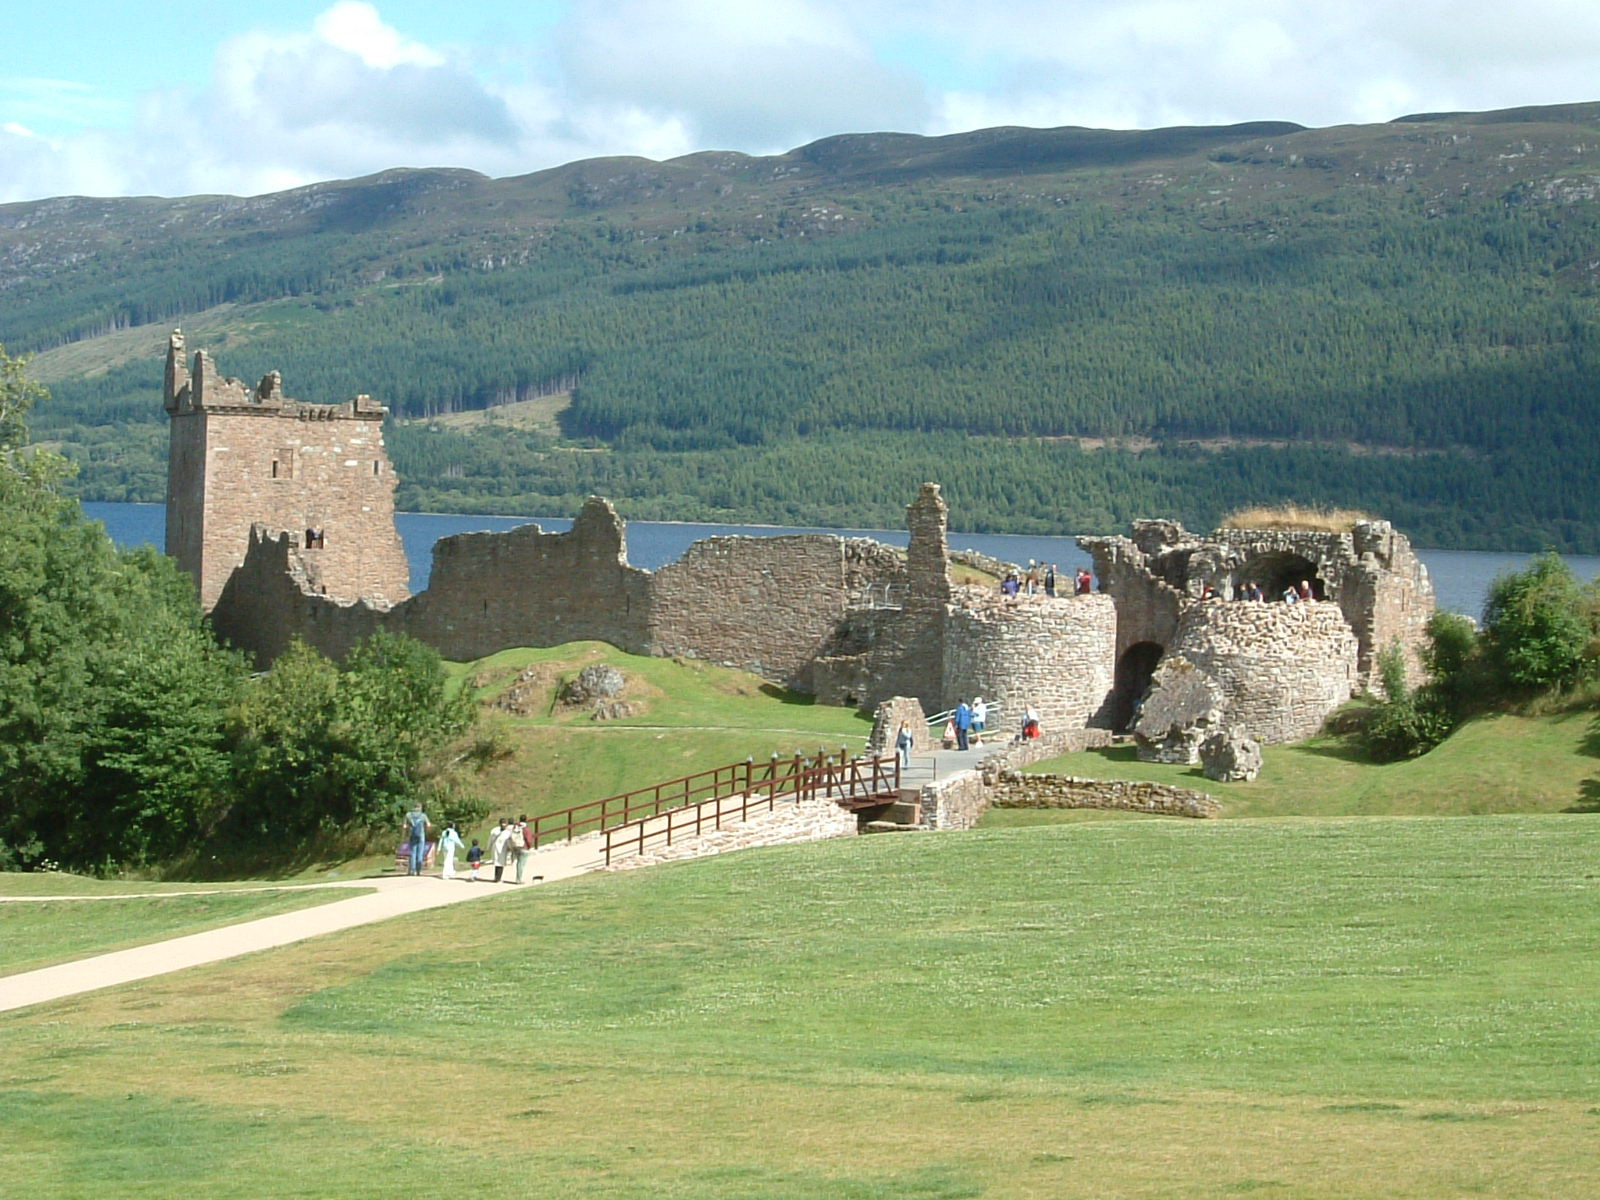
[1056,653]
[788,824]
[243,456]
[768,605]
[493,591]
[886,727]
[1015,790]
[1282,667]
[906,656]
[267,603]
[1147,602]
[954,802]
[1371,573]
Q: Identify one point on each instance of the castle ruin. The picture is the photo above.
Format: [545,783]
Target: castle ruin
[850,620]
[241,456]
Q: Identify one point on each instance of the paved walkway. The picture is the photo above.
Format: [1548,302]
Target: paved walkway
[383,897]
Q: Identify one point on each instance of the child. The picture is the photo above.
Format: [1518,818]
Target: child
[474,860]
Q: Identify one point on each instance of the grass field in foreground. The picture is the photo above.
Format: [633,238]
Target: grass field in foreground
[1352,1008]
[39,933]
[1501,764]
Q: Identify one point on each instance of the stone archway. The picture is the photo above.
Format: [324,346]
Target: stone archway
[1132,681]
[1277,571]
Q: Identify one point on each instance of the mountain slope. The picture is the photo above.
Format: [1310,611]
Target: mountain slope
[1401,316]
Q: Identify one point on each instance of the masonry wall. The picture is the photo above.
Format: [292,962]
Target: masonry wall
[1066,791]
[493,591]
[243,456]
[1056,653]
[1282,667]
[767,605]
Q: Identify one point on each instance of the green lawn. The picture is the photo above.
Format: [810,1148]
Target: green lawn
[39,933]
[1353,1008]
[1502,764]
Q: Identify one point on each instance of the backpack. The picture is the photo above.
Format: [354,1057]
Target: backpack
[416,826]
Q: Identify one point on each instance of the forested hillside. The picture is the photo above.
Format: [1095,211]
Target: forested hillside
[1068,328]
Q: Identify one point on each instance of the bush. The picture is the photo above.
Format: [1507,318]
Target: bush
[1538,626]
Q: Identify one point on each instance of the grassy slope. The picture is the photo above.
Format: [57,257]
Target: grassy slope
[1348,1007]
[38,934]
[692,716]
[1502,764]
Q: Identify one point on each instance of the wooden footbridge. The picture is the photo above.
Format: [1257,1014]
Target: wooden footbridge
[632,822]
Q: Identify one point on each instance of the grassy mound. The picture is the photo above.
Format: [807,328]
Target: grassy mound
[1360,1008]
[686,715]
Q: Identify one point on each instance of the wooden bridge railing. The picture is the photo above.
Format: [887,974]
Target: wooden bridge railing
[848,782]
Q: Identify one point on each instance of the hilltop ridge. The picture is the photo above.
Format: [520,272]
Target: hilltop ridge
[847,318]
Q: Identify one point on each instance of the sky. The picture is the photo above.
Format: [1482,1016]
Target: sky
[119,97]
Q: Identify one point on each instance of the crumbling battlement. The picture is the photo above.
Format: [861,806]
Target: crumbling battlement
[241,456]
[1371,573]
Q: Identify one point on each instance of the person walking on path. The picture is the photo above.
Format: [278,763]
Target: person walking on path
[449,843]
[522,846]
[500,847]
[474,860]
[980,715]
[902,744]
[416,831]
[963,723]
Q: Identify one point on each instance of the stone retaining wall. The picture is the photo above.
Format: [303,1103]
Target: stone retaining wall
[804,821]
[1015,790]
[954,802]
[1047,745]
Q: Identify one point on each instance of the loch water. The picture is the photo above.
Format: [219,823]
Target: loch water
[1460,577]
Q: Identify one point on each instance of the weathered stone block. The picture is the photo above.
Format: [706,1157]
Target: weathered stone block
[1230,757]
[1184,706]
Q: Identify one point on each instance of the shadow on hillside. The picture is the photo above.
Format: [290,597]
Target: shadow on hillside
[785,696]
[1344,751]
[1588,797]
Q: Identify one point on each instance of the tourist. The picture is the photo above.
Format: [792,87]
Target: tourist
[1033,577]
[500,847]
[1030,722]
[963,722]
[980,714]
[474,860]
[1050,580]
[1085,581]
[522,844]
[416,828]
[1290,595]
[1304,590]
[902,743]
[449,843]
[1010,587]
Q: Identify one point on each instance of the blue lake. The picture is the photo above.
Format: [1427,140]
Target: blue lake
[1460,577]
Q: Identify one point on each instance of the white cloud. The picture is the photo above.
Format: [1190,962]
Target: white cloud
[352,92]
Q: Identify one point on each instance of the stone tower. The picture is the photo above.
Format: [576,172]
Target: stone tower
[241,457]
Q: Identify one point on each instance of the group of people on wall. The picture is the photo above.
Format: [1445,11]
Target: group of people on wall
[1040,578]
[511,845]
[1295,593]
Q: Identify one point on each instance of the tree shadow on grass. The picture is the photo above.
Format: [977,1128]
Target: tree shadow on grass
[1588,797]
[1344,751]
[785,696]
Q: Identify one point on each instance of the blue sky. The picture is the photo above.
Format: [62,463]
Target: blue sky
[105,98]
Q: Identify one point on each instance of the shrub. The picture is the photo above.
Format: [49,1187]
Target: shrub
[1538,626]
